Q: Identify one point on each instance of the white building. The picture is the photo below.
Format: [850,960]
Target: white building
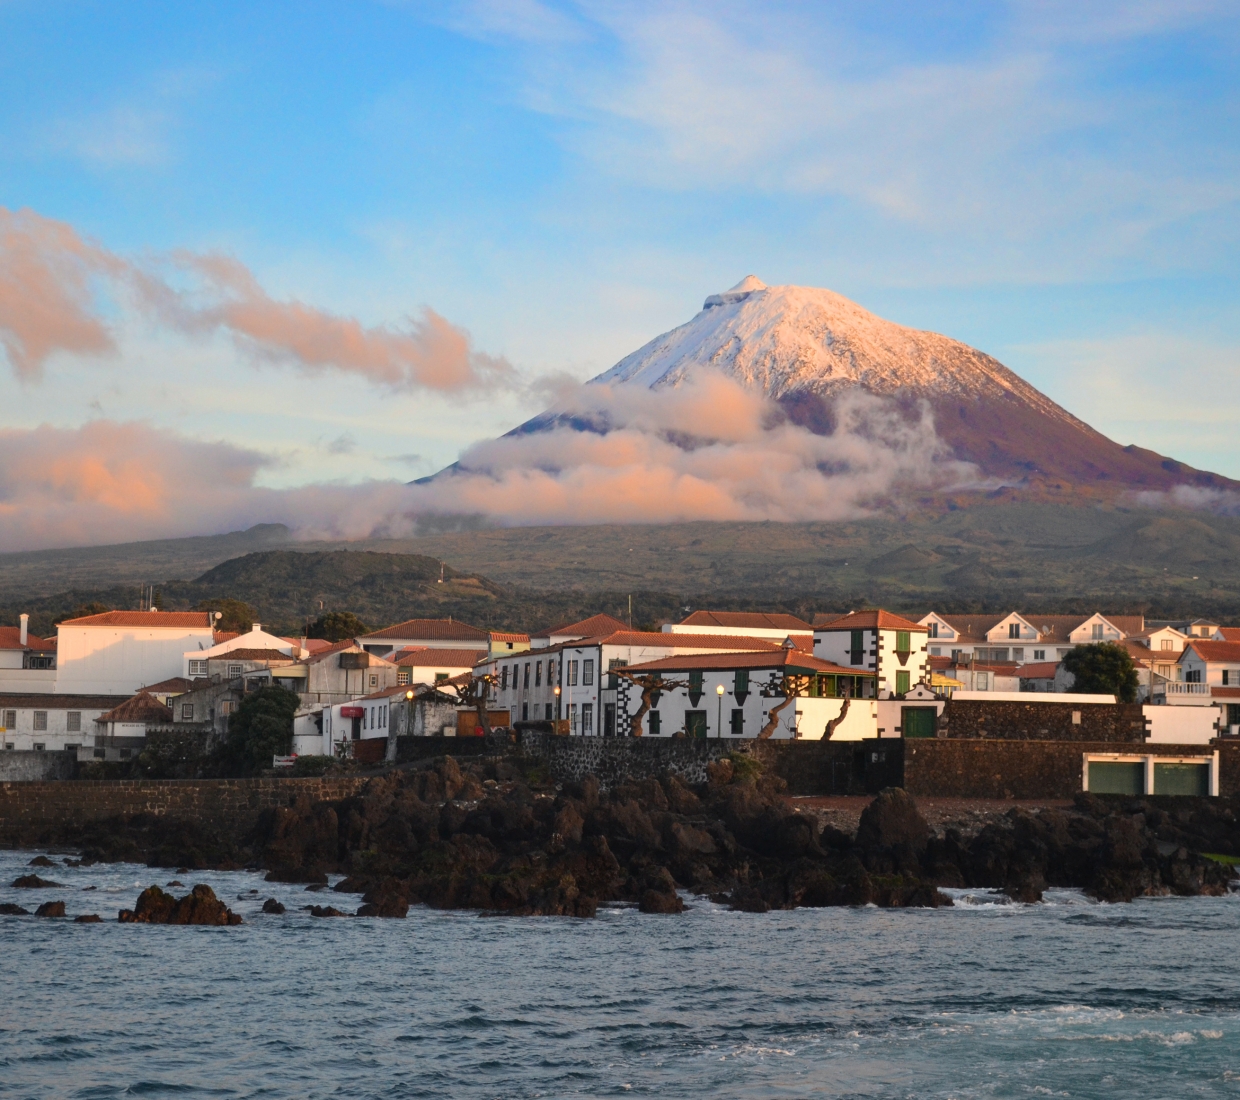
[27,662]
[594,627]
[117,652]
[891,647]
[1018,638]
[434,666]
[441,634]
[746,624]
[741,695]
[197,661]
[50,722]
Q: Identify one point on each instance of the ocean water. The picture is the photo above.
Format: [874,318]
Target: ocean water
[1067,998]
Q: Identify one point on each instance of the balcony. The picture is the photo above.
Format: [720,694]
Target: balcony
[1181,693]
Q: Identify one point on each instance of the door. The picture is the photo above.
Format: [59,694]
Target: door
[1116,777]
[695,723]
[918,721]
[609,719]
[1191,779]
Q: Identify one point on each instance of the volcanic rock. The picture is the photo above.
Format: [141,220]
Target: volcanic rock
[51,909]
[199,906]
[33,882]
[88,918]
[272,906]
[8,909]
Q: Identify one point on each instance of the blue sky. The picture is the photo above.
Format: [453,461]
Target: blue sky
[1057,184]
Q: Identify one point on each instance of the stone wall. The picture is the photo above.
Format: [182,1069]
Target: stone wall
[23,766]
[947,768]
[1042,721]
[27,808]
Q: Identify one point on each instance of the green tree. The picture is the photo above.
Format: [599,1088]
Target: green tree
[235,615]
[261,727]
[92,608]
[337,626]
[1103,668]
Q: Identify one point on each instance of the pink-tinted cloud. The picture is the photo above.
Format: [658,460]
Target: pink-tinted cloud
[54,287]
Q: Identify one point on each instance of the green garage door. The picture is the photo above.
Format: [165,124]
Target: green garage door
[1116,777]
[918,721]
[1182,779]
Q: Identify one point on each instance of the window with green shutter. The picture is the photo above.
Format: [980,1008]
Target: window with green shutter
[901,683]
[857,653]
[903,642]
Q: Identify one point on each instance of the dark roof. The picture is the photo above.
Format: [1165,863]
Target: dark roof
[10,638]
[253,655]
[586,628]
[438,630]
[143,707]
[748,620]
[144,618]
[50,701]
[788,659]
[871,620]
[173,684]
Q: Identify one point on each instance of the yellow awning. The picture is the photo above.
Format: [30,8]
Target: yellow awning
[938,680]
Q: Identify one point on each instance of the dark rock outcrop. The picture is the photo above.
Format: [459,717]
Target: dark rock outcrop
[273,907]
[88,918]
[8,909]
[325,911]
[33,882]
[51,909]
[42,861]
[199,906]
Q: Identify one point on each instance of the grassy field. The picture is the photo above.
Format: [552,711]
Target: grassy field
[990,557]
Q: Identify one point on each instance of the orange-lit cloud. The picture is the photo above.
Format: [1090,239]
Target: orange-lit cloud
[55,288]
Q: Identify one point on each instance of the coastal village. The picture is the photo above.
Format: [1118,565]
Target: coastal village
[108,684]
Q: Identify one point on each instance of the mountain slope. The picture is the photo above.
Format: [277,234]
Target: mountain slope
[806,347]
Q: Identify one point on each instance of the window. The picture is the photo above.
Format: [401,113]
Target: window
[572,717]
[740,684]
[902,682]
[73,721]
[525,680]
[983,681]
[234,671]
[198,668]
[538,673]
[572,673]
[10,719]
[1224,677]
[440,677]
[695,724]
[1167,643]
[903,642]
[1096,632]
[226,706]
[1013,630]
[187,712]
[1039,655]
[374,680]
[654,723]
[548,715]
[738,722]
[932,630]
[40,719]
[39,746]
[1192,676]
[936,651]
[587,673]
[857,653]
[503,678]
[587,719]
[613,681]
[1018,654]
[8,746]
[695,683]
[404,675]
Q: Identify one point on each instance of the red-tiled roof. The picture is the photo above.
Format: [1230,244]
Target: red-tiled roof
[253,655]
[748,620]
[1214,651]
[10,638]
[508,636]
[1043,670]
[176,684]
[789,659]
[387,692]
[439,658]
[316,645]
[669,640]
[871,620]
[159,619]
[326,651]
[225,635]
[586,628]
[436,630]
[1230,633]
[143,707]
[1225,693]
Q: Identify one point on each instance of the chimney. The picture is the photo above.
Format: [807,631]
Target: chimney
[256,627]
[24,629]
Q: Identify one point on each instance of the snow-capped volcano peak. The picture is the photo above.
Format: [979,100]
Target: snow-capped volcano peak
[788,340]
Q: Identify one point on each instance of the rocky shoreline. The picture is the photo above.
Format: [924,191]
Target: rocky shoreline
[486,836]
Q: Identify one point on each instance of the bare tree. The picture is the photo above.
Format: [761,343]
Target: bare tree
[475,692]
[789,686]
[838,720]
[651,684]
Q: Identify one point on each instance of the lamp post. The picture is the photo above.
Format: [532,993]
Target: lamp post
[719,720]
[556,689]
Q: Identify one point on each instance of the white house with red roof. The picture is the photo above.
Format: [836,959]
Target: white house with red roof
[252,645]
[892,647]
[774,626]
[420,665]
[27,662]
[594,627]
[787,693]
[116,652]
[441,634]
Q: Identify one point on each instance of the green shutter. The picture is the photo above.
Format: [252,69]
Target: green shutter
[1116,777]
[903,645]
[902,683]
[1191,779]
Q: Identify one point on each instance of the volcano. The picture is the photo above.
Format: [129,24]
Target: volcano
[806,347]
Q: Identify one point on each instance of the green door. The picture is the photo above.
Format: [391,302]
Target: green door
[695,723]
[1116,777]
[917,721]
[1182,779]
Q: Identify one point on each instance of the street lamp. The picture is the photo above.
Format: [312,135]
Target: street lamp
[556,689]
[719,720]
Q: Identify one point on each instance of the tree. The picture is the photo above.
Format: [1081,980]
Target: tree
[790,685]
[652,684]
[92,608]
[261,727]
[235,615]
[337,626]
[1103,668]
[476,693]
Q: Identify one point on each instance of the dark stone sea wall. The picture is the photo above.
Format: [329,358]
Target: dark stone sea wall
[1033,720]
[27,766]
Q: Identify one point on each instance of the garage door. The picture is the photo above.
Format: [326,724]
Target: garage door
[1117,777]
[918,721]
[1182,779]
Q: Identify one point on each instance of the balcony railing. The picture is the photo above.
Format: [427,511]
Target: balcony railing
[1175,688]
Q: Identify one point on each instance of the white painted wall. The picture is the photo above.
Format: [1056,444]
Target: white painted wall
[1181,725]
[117,660]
